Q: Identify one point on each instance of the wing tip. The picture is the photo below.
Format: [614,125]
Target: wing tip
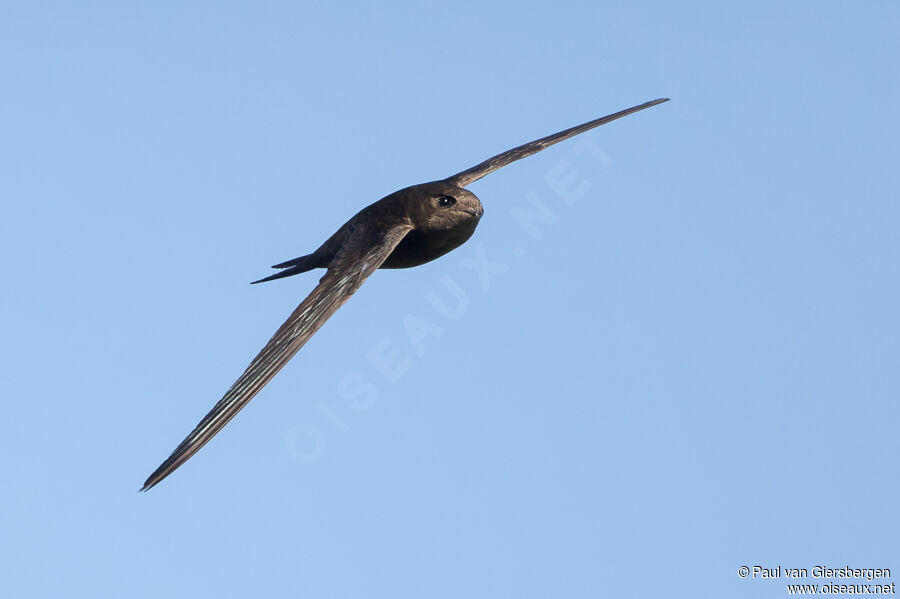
[151,482]
[165,469]
[650,103]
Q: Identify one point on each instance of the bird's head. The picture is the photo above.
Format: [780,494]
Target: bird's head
[442,206]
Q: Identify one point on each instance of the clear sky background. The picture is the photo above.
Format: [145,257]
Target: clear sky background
[688,366]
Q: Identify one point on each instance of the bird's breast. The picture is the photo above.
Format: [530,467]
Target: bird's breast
[419,247]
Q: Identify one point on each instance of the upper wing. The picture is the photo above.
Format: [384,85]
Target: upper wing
[500,160]
[363,251]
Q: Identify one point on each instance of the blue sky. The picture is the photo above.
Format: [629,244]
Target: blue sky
[686,367]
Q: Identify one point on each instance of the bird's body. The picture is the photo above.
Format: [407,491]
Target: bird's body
[407,228]
[435,230]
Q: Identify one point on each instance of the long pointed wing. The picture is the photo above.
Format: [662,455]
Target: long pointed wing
[361,254]
[500,160]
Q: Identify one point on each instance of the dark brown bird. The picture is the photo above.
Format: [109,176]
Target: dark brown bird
[407,228]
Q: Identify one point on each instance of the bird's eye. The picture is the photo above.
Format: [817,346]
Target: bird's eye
[446,201]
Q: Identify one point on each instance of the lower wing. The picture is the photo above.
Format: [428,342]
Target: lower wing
[362,253]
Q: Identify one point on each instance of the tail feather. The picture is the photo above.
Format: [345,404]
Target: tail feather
[293,267]
[287,272]
[295,262]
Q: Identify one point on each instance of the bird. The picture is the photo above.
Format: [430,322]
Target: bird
[407,228]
